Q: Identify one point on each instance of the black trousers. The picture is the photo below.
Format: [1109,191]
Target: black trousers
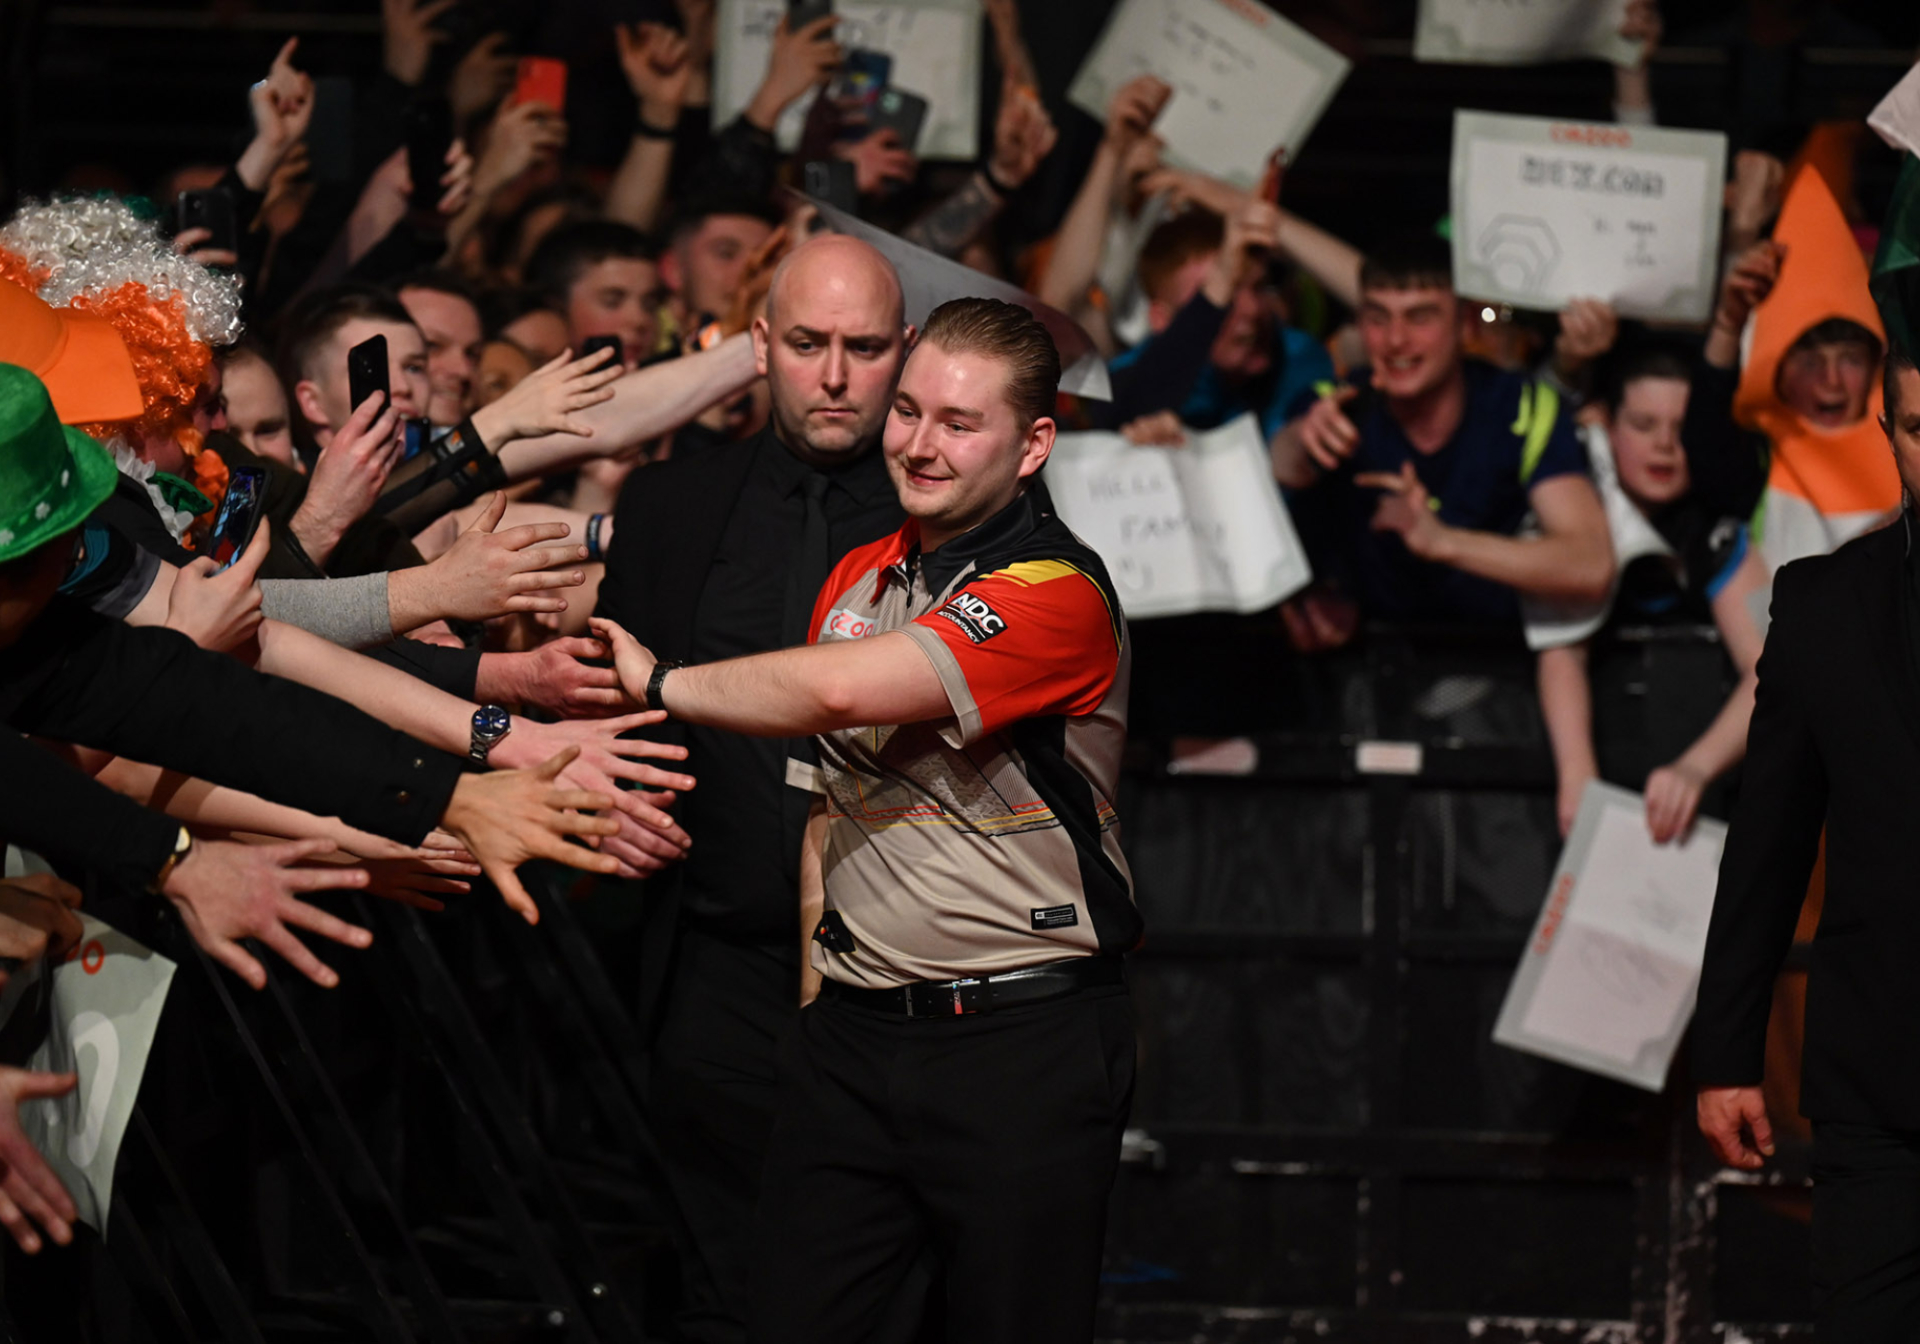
[1866,1234]
[994,1139]
[710,1099]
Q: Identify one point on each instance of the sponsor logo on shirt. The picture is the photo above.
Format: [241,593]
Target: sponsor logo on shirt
[1055,917]
[978,621]
[844,624]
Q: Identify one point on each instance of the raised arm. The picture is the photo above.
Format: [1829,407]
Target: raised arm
[659,68]
[1077,248]
[645,404]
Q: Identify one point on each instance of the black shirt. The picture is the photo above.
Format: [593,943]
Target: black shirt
[741,877]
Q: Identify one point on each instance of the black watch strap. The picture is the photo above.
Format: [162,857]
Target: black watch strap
[657,683]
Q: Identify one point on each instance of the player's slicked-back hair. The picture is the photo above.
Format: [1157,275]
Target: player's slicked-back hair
[1010,334]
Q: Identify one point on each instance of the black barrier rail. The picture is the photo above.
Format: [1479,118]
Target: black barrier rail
[1328,1145]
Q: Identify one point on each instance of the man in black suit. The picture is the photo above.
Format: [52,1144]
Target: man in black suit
[717,555]
[1834,743]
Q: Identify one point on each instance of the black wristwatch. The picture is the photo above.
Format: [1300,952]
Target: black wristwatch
[657,683]
[491,724]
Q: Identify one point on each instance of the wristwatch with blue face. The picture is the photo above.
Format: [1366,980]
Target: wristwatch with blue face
[491,723]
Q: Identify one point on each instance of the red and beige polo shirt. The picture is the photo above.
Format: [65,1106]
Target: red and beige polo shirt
[986,841]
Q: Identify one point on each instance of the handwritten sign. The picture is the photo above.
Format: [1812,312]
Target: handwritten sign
[1245,80]
[935,46]
[1522,32]
[1607,981]
[1547,211]
[104,1005]
[1196,528]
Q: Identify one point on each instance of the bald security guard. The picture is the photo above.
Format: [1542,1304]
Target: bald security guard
[718,554]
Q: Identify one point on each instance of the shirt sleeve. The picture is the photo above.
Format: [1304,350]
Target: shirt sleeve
[1034,639]
[1562,453]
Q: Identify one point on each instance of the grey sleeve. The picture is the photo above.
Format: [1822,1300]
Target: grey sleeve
[350,612]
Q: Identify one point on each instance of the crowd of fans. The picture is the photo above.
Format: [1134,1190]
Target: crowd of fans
[441,546]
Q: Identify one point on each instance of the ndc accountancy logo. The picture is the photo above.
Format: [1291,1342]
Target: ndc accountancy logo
[977,621]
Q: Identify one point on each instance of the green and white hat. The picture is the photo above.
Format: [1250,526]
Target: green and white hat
[51,476]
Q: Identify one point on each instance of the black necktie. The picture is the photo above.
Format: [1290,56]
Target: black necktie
[811,561]
[805,575]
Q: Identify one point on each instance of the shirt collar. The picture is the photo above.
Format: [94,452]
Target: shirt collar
[1030,508]
[864,479]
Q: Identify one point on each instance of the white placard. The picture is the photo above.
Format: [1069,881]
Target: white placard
[935,46]
[1897,118]
[1607,981]
[103,1007]
[1548,211]
[1196,528]
[1522,32]
[1245,81]
[928,280]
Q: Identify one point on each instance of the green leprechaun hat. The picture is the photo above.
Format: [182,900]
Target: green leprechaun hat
[51,476]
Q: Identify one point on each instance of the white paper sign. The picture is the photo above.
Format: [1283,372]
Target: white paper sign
[106,1002]
[928,280]
[1522,32]
[1245,81]
[1608,979]
[1897,118]
[1547,211]
[935,46]
[1196,528]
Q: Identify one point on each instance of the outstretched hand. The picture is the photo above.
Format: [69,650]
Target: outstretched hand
[30,1192]
[485,573]
[632,660]
[507,817]
[227,891]
[547,401]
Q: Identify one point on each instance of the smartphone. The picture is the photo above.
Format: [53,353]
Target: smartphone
[862,75]
[800,13]
[901,112]
[366,371]
[541,80]
[239,515]
[593,343]
[330,130]
[212,210]
[429,134]
[831,182]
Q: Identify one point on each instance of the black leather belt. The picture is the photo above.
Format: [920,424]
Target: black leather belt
[1009,989]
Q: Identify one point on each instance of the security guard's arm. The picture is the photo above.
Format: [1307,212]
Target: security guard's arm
[813,896]
[817,688]
[1571,560]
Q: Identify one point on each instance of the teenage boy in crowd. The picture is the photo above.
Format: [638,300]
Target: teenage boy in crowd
[1450,486]
[961,881]
[604,278]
